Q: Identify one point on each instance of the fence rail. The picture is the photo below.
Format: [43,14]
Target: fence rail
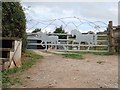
[71,44]
[85,50]
[67,44]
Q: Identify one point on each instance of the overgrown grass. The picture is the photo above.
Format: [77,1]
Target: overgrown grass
[28,61]
[73,56]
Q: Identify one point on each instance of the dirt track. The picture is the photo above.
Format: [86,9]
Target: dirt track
[54,71]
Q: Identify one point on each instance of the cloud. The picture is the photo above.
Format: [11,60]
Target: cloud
[91,11]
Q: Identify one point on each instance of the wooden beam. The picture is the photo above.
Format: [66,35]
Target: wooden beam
[9,38]
[115,26]
[5,49]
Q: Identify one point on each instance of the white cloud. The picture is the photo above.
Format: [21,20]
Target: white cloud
[92,11]
[70,1]
[68,12]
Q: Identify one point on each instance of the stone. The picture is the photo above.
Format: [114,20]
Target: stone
[28,77]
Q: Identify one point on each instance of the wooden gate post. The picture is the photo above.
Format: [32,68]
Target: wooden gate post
[111,37]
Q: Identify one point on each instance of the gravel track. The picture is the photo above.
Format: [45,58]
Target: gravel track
[55,71]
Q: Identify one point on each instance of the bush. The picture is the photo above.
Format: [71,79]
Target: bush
[14,21]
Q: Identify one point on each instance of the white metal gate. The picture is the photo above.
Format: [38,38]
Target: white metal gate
[82,42]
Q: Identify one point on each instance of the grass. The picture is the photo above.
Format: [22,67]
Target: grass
[9,81]
[30,59]
[78,55]
[0,79]
[106,53]
[97,53]
[100,62]
[73,56]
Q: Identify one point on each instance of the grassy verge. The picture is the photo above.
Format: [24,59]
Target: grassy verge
[73,56]
[96,53]
[29,59]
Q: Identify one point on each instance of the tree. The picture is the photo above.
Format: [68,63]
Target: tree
[60,30]
[14,22]
[36,30]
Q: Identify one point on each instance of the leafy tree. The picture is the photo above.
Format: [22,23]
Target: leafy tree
[14,21]
[36,30]
[60,30]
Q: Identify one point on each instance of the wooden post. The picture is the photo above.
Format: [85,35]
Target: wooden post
[67,41]
[111,37]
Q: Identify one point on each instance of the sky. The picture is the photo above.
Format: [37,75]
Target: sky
[83,16]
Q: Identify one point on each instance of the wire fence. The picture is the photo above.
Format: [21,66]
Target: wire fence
[75,22]
[66,22]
